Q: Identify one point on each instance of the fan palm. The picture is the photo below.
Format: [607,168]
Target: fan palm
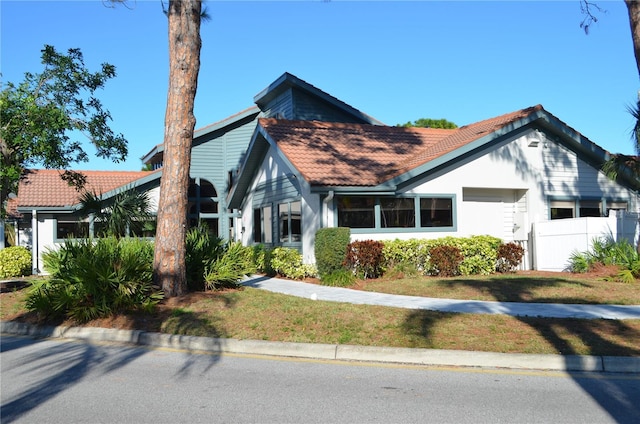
[126,213]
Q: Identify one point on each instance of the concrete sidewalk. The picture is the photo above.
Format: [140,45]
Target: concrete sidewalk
[545,310]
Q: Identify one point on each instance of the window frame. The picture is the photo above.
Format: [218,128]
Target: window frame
[379,226]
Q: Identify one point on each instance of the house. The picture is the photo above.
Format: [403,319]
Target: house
[498,177]
[301,159]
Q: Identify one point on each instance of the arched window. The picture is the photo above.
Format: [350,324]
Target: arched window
[203,204]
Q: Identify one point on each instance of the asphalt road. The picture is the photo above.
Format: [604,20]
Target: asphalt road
[59,381]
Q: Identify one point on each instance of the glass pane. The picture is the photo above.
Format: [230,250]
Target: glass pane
[356,212]
[212,225]
[257,226]
[207,189]
[72,230]
[208,206]
[436,212]
[397,213]
[561,213]
[562,209]
[266,225]
[283,221]
[296,221]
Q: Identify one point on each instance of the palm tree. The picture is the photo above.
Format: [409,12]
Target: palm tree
[127,213]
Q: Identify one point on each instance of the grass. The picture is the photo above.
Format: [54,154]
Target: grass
[255,314]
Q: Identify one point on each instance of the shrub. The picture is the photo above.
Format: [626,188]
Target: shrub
[406,254]
[203,249]
[364,258]
[287,262]
[15,262]
[605,251]
[96,278]
[479,253]
[228,269]
[509,257]
[340,278]
[445,260]
[261,258]
[331,249]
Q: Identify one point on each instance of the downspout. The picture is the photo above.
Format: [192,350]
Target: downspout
[326,202]
[35,259]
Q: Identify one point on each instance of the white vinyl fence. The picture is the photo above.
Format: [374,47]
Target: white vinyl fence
[554,241]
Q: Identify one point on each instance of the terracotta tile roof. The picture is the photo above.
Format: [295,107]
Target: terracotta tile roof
[45,188]
[339,154]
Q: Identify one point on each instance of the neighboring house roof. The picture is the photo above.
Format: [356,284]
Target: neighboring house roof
[338,155]
[44,188]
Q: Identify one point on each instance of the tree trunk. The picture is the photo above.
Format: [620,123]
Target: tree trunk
[169,266]
[634,20]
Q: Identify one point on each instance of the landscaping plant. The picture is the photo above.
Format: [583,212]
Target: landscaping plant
[15,261]
[94,278]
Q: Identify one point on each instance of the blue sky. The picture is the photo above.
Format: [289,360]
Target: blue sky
[396,61]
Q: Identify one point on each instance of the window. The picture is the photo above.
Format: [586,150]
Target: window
[262,230]
[359,212]
[72,229]
[356,212]
[562,209]
[397,213]
[590,208]
[616,206]
[290,221]
[436,212]
[203,204]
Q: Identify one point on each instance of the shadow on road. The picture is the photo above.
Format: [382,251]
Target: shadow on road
[592,333]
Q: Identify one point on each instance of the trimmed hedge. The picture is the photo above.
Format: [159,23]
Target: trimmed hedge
[331,249]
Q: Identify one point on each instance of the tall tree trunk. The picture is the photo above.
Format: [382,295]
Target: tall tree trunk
[634,20]
[169,266]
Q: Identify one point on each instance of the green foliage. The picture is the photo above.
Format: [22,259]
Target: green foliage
[406,254]
[95,278]
[479,253]
[203,249]
[606,251]
[365,258]
[15,262]
[261,258]
[41,115]
[340,278]
[430,123]
[509,257]
[445,260]
[228,269]
[125,214]
[287,262]
[331,249]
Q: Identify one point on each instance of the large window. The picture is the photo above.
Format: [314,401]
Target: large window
[359,212]
[436,212]
[290,221]
[72,229]
[356,212]
[397,213]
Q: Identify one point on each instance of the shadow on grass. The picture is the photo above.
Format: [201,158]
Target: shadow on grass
[612,393]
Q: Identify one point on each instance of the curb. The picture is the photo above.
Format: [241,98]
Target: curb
[435,357]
